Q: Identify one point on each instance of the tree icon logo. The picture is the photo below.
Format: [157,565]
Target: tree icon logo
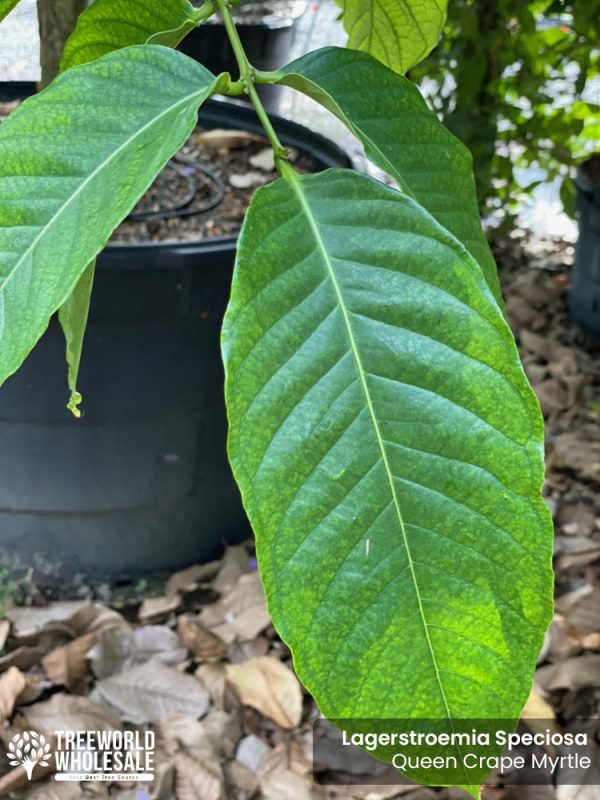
[28,749]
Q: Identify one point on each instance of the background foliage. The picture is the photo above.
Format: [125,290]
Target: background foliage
[507,78]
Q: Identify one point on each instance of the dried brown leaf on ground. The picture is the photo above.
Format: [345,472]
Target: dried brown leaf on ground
[35,686]
[17,778]
[68,665]
[39,632]
[270,687]
[4,631]
[121,648]
[58,791]
[158,642]
[581,608]
[182,731]
[573,783]
[241,613]
[157,609]
[23,657]
[95,618]
[573,673]
[577,518]
[224,731]
[241,778]
[283,784]
[28,621]
[214,678]
[150,691]
[242,651]
[198,772]
[360,792]
[186,580]
[198,779]
[579,451]
[202,644]
[12,683]
[535,344]
[539,715]
[250,752]
[286,772]
[235,563]
[64,712]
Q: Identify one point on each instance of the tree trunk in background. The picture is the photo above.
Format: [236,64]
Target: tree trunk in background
[475,118]
[57,19]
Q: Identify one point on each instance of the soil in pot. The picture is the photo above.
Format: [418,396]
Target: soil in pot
[206,188]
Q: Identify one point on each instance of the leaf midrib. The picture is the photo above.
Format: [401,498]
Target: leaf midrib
[88,179]
[296,184]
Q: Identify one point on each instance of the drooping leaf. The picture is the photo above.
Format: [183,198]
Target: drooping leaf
[6,6]
[70,171]
[402,136]
[390,455]
[400,33]
[72,316]
[105,26]
[109,25]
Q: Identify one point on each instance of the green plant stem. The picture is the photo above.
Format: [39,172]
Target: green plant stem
[262,76]
[206,10]
[247,74]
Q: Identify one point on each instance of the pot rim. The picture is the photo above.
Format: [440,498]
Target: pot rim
[226,243]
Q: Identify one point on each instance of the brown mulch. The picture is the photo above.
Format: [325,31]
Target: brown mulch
[199,662]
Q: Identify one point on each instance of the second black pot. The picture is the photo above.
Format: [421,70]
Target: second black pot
[141,482]
[266,30]
[584,296]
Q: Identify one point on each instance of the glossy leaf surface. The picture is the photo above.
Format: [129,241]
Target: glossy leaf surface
[390,455]
[109,25]
[402,136]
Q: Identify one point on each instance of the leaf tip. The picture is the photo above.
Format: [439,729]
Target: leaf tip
[74,403]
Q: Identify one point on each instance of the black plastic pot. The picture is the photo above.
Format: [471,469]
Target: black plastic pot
[141,482]
[584,298]
[266,30]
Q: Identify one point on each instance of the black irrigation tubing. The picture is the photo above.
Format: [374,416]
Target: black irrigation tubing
[182,209]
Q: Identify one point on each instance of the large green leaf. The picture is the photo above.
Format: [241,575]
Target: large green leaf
[389,451]
[6,6]
[400,33]
[109,25]
[402,136]
[70,170]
